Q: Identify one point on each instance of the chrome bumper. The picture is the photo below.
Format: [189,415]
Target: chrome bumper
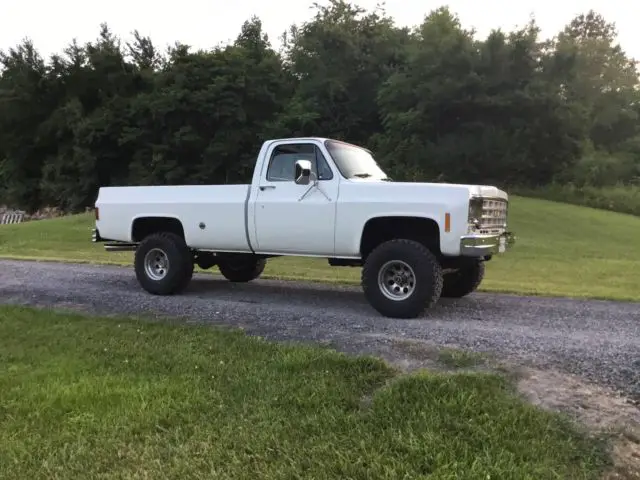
[95,236]
[483,245]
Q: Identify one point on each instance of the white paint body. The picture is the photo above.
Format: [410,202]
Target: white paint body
[271,218]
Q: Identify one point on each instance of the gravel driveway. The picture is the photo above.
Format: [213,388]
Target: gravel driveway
[599,341]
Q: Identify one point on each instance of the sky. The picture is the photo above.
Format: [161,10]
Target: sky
[205,23]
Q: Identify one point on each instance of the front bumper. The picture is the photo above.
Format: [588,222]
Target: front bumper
[485,245]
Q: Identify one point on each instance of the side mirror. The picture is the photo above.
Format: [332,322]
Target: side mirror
[303,172]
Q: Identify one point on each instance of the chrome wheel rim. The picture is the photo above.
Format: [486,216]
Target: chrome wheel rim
[156,264]
[396,280]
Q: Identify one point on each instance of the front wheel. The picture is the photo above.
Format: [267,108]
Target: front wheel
[242,269]
[401,278]
[464,281]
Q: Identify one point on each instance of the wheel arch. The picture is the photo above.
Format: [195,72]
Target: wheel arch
[379,229]
[145,225]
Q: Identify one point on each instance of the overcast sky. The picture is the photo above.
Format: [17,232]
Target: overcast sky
[205,23]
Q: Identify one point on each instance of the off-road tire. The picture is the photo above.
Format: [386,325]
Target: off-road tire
[463,282]
[179,271]
[242,270]
[428,278]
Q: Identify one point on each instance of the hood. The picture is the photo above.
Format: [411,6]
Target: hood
[487,191]
[474,190]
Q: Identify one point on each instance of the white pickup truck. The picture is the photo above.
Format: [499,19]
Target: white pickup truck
[313,197]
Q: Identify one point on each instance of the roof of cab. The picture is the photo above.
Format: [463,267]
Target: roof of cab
[319,139]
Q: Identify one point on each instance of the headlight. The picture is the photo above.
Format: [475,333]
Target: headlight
[475,213]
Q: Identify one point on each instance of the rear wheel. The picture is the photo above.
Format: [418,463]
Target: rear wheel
[205,260]
[401,278]
[464,281]
[163,264]
[243,268]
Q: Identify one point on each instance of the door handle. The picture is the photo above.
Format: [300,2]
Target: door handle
[265,187]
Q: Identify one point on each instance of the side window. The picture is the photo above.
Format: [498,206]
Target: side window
[323,168]
[283,159]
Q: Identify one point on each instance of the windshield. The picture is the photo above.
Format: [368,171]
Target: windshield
[354,162]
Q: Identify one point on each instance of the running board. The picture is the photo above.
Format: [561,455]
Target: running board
[120,247]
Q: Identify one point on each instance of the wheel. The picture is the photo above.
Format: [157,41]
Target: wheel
[466,280]
[242,269]
[163,264]
[401,278]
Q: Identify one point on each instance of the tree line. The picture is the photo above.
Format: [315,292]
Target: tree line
[433,102]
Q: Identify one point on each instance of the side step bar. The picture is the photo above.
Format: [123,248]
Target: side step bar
[113,246]
[120,247]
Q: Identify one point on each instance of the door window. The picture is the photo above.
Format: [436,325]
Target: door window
[284,157]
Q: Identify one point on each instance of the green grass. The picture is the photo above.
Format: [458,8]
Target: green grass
[86,397]
[456,358]
[562,250]
[439,357]
[616,198]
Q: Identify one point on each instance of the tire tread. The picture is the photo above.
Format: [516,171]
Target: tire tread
[251,272]
[463,282]
[424,261]
[177,247]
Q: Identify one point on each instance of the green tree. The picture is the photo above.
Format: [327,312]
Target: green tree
[470,111]
[339,59]
[26,100]
[603,86]
[87,122]
[434,102]
[208,113]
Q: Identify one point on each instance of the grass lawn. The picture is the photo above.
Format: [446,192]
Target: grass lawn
[85,397]
[562,249]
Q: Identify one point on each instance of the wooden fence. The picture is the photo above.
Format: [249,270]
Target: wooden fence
[12,217]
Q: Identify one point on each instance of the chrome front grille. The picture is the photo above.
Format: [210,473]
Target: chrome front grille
[488,215]
[494,216]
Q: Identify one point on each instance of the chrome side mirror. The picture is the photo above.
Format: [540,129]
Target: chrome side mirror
[303,172]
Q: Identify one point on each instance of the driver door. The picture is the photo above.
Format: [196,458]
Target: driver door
[291,218]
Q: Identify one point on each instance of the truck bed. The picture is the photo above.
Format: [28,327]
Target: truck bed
[211,215]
